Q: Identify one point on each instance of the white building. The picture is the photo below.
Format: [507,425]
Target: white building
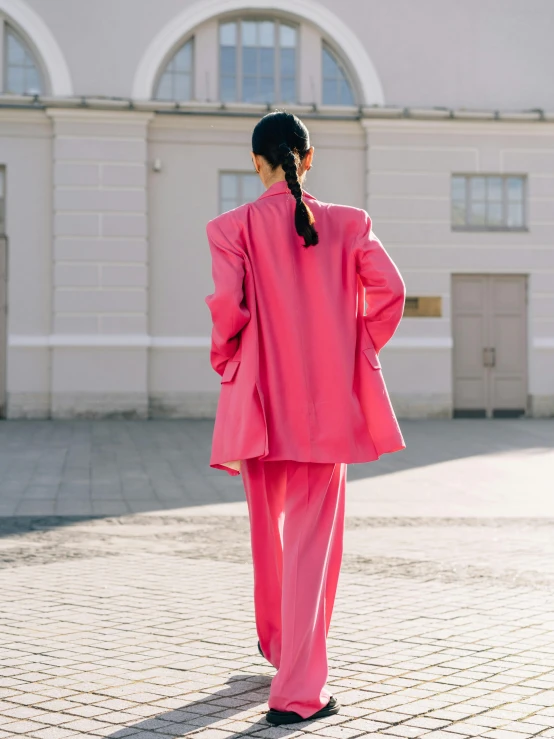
[436,116]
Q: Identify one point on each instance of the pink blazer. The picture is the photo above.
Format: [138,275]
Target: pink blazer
[297,355]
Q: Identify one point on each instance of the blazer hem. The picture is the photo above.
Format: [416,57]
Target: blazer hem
[229,470]
[323,459]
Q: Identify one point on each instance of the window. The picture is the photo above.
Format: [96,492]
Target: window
[21,71]
[488,202]
[237,188]
[336,87]
[176,80]
[257,61]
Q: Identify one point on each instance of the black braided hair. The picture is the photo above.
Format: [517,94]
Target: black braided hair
[282,139]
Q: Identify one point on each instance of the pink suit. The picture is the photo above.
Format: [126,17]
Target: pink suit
[302,395]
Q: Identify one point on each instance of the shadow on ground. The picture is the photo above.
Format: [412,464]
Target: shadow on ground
[242,693]
[55,473]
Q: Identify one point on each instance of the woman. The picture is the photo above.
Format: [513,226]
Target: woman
[302,394]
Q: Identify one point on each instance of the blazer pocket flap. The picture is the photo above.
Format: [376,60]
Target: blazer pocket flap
[229,371]
[372,357]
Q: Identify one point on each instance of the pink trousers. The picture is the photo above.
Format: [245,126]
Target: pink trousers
[297,523]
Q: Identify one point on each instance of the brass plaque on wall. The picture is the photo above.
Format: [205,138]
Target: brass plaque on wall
[423,307]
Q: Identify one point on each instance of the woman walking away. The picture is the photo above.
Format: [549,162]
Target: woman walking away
[302,394]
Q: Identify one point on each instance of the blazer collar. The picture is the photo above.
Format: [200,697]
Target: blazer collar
[280,188]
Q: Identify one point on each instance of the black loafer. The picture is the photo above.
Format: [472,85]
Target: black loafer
[291,717]
[260,650]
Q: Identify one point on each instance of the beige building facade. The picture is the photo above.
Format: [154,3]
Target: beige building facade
[118,144]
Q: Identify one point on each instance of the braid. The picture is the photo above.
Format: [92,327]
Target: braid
[289,163]
[283,141]
[303,216]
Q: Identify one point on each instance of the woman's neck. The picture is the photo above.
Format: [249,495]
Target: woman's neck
[279,176]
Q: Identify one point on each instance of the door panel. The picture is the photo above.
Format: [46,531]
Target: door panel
[508,340]
[469,313]
[509,337]
[490,344]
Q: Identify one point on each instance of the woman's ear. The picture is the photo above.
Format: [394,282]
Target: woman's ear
[255,162]
[308,159]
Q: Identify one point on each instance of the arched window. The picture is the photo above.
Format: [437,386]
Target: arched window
[175,82]
[336,87]
[21,72]
[257,61]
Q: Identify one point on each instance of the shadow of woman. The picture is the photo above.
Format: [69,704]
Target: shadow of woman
[241,704]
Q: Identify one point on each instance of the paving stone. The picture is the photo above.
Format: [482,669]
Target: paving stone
[54,732]
[15,728]
[132,614]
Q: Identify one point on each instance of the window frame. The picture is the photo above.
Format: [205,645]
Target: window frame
[257,18]
[504,227]
[163,68]
[326,46]
[7,27]
[240,173]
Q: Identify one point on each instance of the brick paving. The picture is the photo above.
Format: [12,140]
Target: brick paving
[126,606]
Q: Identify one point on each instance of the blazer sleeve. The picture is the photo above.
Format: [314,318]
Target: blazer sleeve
[384,287]
[227,303]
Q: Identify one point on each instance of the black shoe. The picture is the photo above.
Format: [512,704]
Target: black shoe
[291,717]
[260,650]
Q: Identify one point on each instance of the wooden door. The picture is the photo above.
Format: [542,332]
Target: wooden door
[490,345]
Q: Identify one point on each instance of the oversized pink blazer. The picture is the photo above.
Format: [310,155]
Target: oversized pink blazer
[298,358]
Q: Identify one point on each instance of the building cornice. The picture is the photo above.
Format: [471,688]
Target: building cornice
[86,107]
[105,115]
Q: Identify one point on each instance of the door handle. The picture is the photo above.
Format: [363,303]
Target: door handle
[489,356]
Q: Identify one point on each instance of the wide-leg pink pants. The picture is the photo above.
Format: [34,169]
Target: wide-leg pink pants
[297,523]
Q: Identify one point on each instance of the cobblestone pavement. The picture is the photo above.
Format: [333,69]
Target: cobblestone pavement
[126,587]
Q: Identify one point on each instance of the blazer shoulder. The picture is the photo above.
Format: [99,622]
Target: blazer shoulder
[345,212]
[226,230]
[353,221]
[353,214]
[229,219]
